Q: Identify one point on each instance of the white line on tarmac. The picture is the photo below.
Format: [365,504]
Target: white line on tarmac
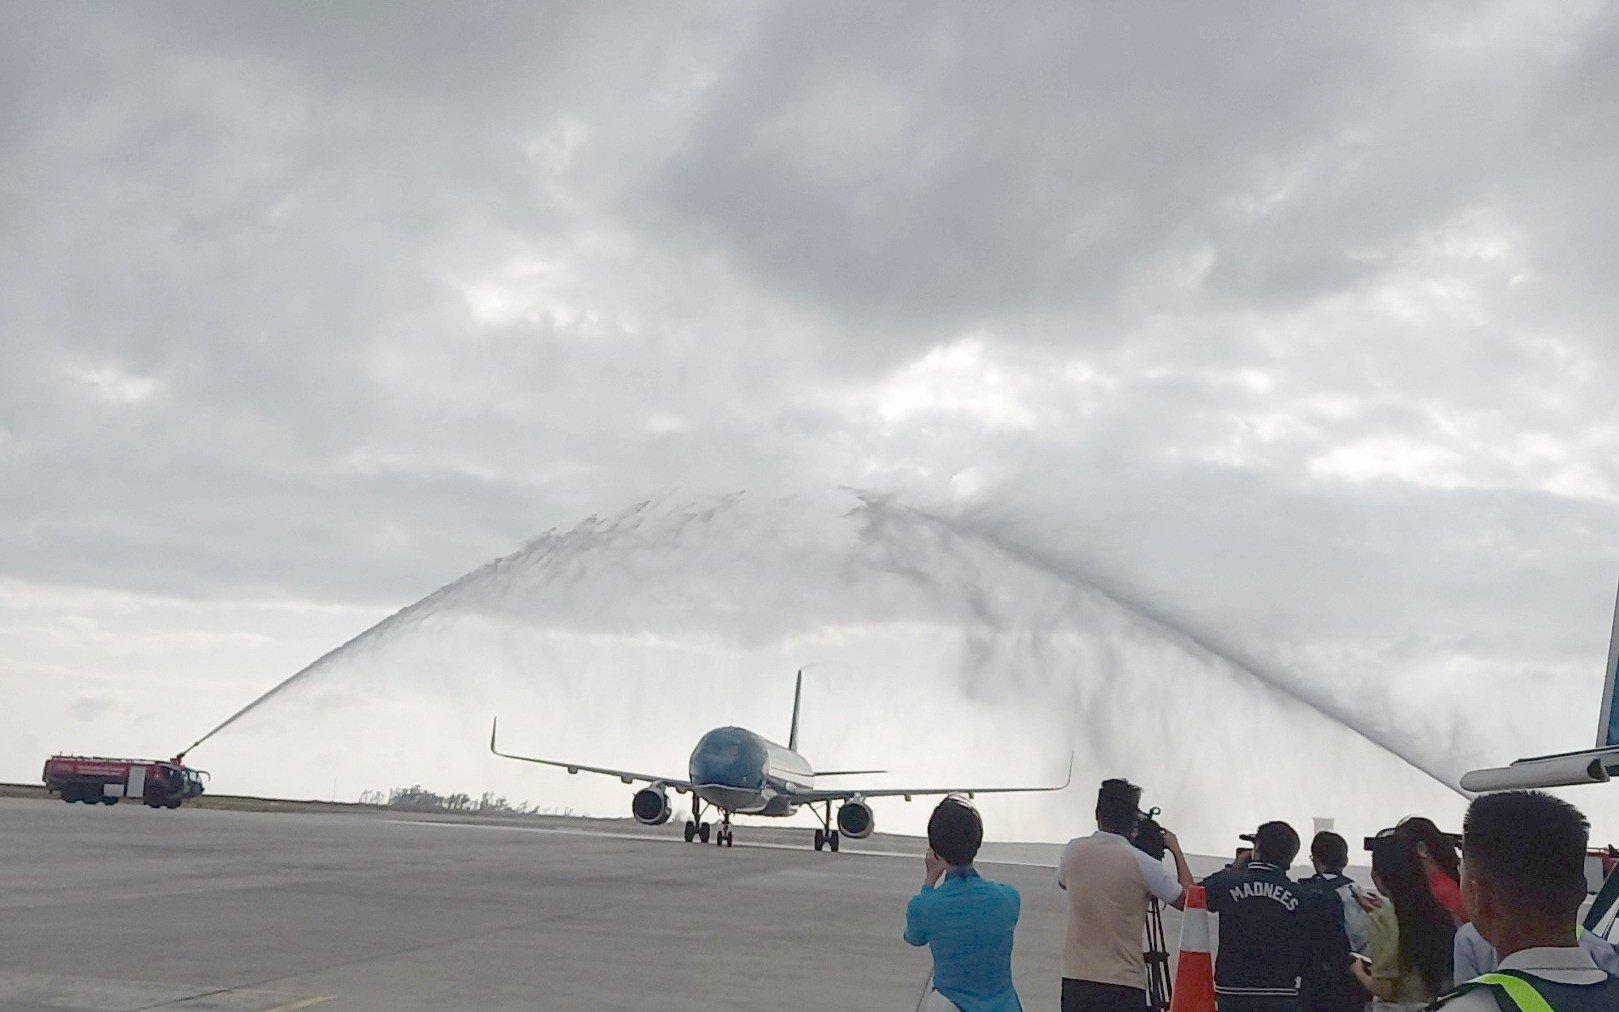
[296,1005]
[760,844]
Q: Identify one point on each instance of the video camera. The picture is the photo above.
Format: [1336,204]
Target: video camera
[1148,836]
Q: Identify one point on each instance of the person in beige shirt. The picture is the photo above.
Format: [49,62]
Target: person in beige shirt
[1109,884]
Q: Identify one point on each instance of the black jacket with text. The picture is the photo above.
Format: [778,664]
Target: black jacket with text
[1271,929]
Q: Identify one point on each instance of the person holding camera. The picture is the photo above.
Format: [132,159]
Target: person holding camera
[1410,935]
[1271,929]
[1441,865]
[1109,882]
[965,919]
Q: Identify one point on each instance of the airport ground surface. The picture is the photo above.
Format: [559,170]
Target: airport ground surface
[124,907]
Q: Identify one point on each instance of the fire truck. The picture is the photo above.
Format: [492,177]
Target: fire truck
[97,780]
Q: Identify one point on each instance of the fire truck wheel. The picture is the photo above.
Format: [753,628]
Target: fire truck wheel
[109,801]
[68,797]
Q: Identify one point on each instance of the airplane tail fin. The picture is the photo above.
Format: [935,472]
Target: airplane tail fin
[798,694]
[1608,727]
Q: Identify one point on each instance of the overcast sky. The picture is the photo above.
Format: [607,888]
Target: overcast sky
[1293,325]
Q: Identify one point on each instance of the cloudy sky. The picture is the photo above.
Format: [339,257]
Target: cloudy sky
[1292,325]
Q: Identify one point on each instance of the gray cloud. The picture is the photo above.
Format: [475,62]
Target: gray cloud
[1294,323]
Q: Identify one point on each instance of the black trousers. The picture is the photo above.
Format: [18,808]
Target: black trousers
[1089,996]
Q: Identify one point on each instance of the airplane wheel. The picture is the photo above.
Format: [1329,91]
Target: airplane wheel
[690,830]
[730,838]
[820,839]
[832,840]
[702,832]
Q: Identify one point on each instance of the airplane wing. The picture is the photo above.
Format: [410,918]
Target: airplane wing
[845,793]
[626,776]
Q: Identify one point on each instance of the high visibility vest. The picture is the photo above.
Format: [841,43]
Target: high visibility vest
[1515,991]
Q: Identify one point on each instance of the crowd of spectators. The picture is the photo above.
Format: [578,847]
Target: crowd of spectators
[1491,927]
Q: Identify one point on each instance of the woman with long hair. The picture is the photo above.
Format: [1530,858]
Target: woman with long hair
[1409,937]
[1440,862]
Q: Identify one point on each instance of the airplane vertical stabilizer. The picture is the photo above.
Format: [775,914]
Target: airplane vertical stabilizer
[1608,727]
[798,694]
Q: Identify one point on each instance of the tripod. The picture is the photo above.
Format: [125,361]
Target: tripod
[1157,957]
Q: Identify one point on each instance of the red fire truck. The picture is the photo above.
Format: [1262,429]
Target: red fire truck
[94,779]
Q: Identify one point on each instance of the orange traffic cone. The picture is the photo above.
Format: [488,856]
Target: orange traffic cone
[1194,967]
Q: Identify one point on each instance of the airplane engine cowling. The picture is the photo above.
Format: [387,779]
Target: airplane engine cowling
[651,806]
[855,820]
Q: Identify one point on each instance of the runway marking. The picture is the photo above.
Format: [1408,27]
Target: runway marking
[640,838]
[21,990]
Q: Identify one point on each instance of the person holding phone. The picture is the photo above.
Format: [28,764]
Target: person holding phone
[1328,984]
[966,920]
[1409,935]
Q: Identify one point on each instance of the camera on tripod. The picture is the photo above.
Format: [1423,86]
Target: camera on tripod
[1148,836]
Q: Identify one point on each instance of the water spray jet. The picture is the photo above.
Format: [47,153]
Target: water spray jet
[697,601]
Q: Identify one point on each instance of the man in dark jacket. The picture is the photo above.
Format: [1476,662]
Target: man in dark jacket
[1328,986]
[1270,928]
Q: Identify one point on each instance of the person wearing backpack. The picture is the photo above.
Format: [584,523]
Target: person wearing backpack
[1523,882]
[1328,985]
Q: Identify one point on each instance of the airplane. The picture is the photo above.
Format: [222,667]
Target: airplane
[737,772]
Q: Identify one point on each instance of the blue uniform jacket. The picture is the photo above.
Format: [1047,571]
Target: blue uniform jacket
[968,923]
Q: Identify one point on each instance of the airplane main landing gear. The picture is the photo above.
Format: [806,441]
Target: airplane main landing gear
[697,829]
[826,838]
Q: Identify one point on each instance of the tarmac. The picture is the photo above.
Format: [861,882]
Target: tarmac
[115,908]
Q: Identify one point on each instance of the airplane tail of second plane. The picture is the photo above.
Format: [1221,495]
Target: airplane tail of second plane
[798,695]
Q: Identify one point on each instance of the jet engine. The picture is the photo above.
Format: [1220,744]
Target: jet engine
[855,819]
[651,806]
